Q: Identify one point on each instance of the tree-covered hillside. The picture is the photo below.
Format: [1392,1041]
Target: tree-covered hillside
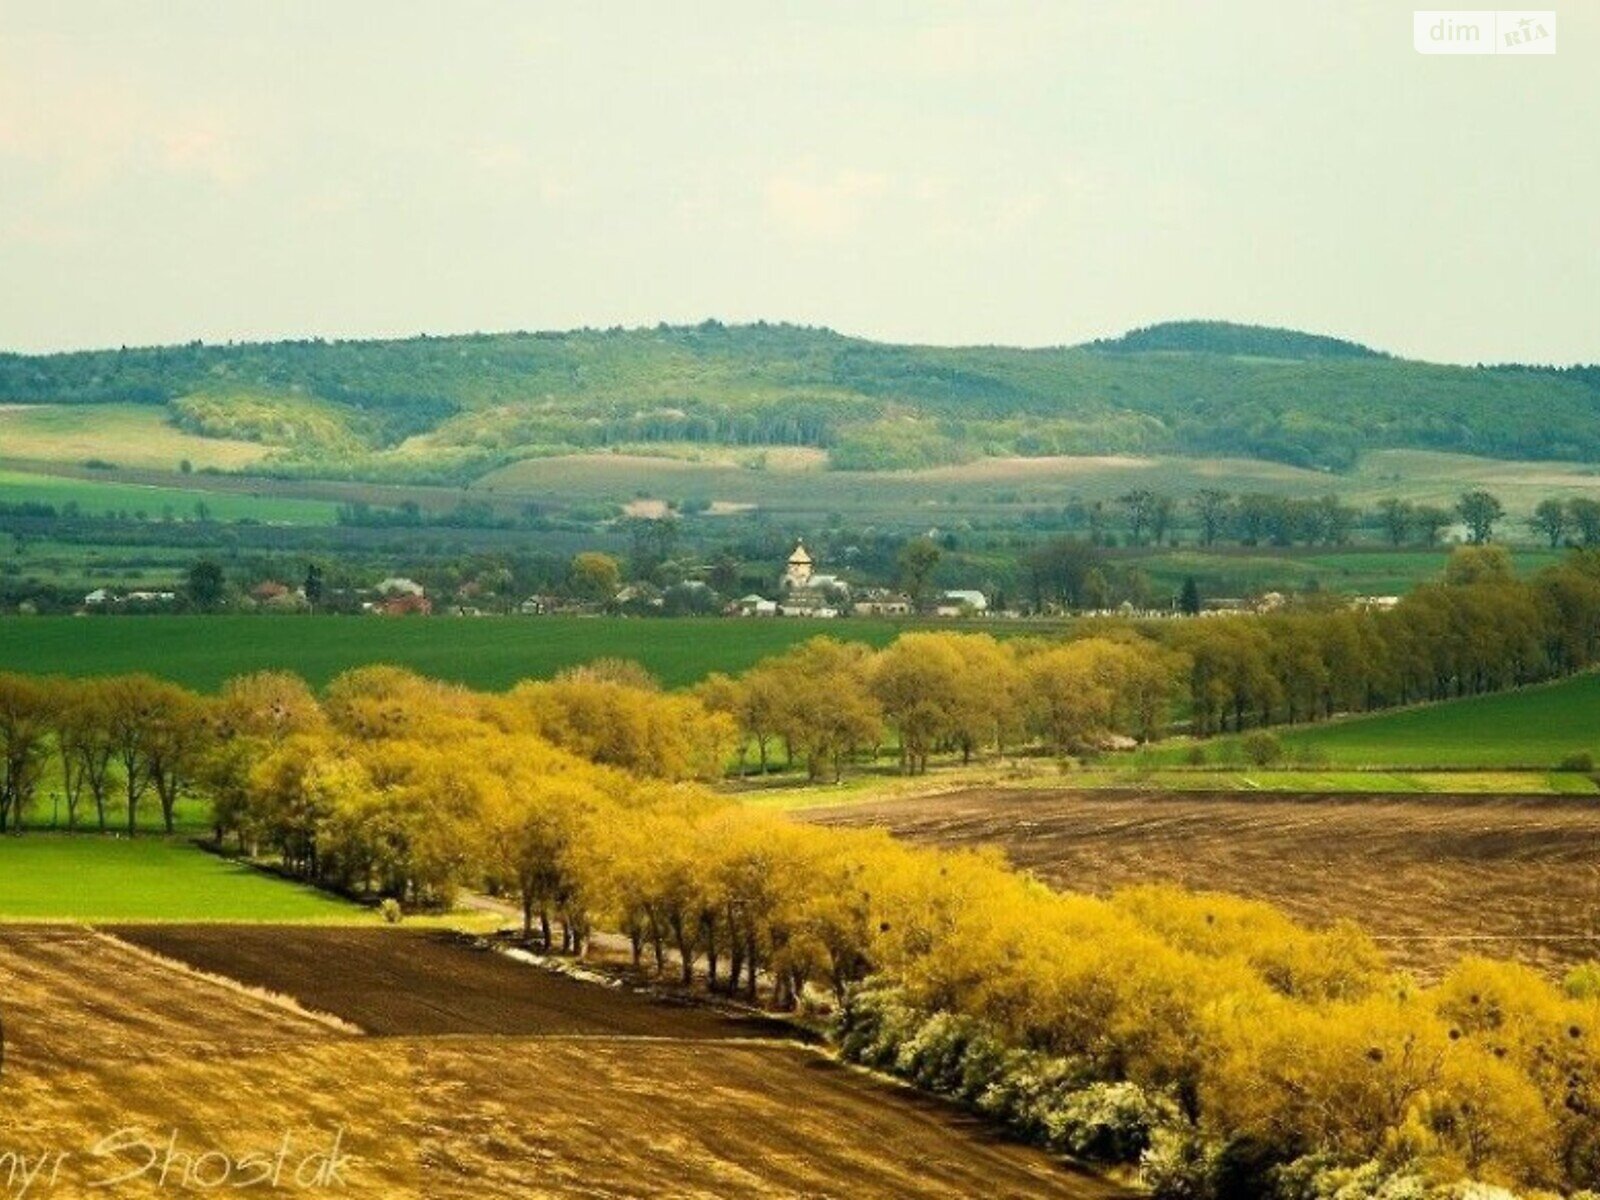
[451,408]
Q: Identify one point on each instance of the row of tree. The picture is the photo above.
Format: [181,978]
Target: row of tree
[1479,629]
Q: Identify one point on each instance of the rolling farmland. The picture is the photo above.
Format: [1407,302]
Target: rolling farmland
[654,1101]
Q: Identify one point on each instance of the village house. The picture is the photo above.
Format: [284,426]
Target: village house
[754,606]
[880,602]
[962,603]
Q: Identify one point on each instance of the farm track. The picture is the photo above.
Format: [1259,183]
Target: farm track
[1430,877]
[494,1080]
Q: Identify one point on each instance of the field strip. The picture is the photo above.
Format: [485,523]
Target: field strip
[276,999]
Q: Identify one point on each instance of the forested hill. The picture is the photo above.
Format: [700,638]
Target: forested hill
[462,404]
[1223,337]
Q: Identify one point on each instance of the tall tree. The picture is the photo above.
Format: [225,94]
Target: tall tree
[1398,517]
[918,560]
[1480,510]
[1212,507]
[206,586]
[1551,520]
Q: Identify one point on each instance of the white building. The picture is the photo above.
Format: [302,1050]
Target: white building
[953,604]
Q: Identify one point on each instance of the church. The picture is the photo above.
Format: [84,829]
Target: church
[805,592]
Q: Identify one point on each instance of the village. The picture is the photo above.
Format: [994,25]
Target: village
[596,588]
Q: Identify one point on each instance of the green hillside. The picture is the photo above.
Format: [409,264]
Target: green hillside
[451,409]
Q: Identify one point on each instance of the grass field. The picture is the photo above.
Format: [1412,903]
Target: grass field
[85,877]
[97,498]
[990,485]
[602,1094]
[490,653]
[130,435]
[1535,727]
[1432,877]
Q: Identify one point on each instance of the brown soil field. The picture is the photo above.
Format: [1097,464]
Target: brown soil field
[429,983]
[105,1037]
[1430,877]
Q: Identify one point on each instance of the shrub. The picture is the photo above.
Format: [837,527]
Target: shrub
[1196,755]
[1580,761]
[1179,1165]
[1318,1177]
[391,911]
[1109,1122]
[1261,748]
[1583,981]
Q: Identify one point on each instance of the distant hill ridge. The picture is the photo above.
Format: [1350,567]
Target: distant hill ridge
[447,409]
[1225,337]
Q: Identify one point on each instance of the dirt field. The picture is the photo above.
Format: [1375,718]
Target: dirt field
[105,1036]
[427,983]
[1432,877]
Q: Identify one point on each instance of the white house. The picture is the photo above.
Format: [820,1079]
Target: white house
[397,585]
[756,606]
[971,601]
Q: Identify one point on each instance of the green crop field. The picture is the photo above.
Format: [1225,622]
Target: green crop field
[1533,728]
[485,652]
[177,503]
[89,878]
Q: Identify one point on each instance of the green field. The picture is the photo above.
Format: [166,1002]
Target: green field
[1533,728]
[90,878]
[97,498]
[487,652]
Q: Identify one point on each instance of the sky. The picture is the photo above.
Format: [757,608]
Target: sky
[937,172]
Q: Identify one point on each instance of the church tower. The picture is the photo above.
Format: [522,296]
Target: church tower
[797,574]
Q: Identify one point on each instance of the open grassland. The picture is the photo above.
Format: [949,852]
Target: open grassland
[1535,727]
[790,488]
[489,653]
[84,877]
[1432,878]
[176,502]
[129,435]
[681,1110]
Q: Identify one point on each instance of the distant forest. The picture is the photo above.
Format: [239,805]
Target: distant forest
[462,405]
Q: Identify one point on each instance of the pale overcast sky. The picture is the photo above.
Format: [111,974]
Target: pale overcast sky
[935,172]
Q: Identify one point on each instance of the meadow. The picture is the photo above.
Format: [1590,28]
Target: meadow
[82,877]
[129,435]
[489,653]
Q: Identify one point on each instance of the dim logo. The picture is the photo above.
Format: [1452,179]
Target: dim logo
[1483,31]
